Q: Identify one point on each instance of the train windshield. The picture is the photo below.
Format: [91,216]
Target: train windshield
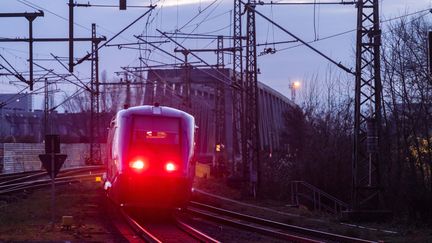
[156,130]
[155,144]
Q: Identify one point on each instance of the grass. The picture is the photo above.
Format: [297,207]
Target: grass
[27,216]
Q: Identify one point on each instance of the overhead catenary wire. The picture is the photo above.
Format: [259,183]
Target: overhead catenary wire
[63,78]
[207,16]
[38,7]
[200,59]
[85,86]
[193,17]
[121,31]
[188,22]
[340,65]
[34,6]
[318,39]
[77,92]
[20,95]
[353,30]
[307,3]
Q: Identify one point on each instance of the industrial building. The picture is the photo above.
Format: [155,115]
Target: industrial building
[168,87]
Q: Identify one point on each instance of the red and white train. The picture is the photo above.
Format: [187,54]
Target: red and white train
[150,151]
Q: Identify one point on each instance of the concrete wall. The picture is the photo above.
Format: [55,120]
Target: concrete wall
[19,157]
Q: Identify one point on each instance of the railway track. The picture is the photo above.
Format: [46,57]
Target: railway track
[23,176]
[26,181]
[267,227]
[167,229]
[30,175]
[174,229]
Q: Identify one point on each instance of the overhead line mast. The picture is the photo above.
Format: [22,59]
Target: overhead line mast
[30,17]
[251,142]
[367,199]
[95,151]
[220,123]
[366,181]
[238,101]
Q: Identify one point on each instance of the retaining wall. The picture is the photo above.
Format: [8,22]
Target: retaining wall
[19,157]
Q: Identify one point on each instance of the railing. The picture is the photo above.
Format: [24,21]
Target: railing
[318,199]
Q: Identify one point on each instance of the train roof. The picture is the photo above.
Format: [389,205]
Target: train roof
[155,110]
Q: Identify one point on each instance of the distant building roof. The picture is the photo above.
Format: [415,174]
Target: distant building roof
[207,76]
[23,102]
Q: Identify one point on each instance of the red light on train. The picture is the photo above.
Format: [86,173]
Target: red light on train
[170,167]
[138,164]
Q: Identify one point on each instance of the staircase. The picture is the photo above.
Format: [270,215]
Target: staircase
[307,194]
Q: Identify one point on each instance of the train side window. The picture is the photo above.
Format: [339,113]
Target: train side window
[115,145]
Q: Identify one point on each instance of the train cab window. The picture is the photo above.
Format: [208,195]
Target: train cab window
[156,142]
[156,130]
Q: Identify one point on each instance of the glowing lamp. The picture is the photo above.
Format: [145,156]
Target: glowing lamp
[170,166]
[296,85]
[137,164]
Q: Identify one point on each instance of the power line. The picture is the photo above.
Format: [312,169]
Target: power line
[37,7]
[307,3]
[352,30]
[340,65]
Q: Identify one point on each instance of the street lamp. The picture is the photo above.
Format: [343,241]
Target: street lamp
[294,86]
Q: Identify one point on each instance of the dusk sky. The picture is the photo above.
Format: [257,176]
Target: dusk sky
[213,17]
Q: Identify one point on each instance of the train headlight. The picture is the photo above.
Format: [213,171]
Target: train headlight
[138,164]
[170,167]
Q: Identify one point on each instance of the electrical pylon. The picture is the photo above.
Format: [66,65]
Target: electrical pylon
[237,95]
[251,141]
[95,152]
[367,191]
[220,128]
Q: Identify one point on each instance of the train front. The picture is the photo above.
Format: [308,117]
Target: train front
[158,171]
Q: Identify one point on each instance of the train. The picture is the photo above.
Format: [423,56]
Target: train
[150,151]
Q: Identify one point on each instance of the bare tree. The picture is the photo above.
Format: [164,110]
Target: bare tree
[407,101]
[319,133]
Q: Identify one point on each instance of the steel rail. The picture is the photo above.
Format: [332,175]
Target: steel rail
[17,174]
[17,177]
[253,228]
[41,183]
[194,232]
[143,233]
[79,170]
[60,178]
[27,176]
[146,234]
[269,223]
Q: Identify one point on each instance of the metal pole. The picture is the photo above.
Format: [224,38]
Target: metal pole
[52,184]
[128,90]
[52,174]
[46,109]
[430,52]
[30,19]
[71,35]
